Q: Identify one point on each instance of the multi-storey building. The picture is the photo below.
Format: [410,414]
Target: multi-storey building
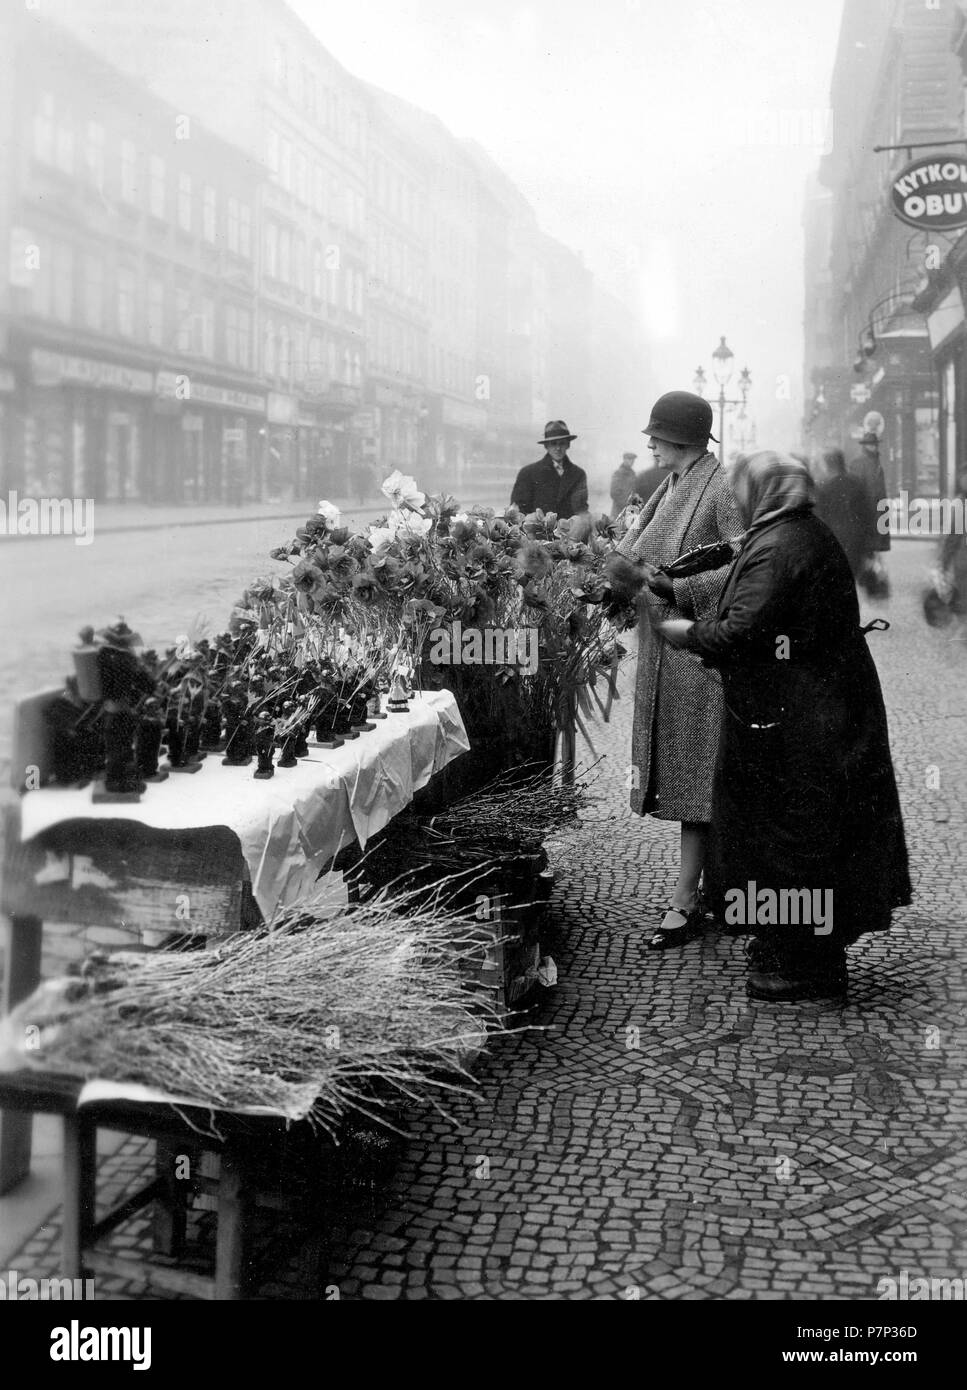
[395,302]
[127,318]
[394,423]
[895,84]
[261,80]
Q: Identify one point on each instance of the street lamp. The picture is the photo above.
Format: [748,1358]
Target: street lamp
[723,365]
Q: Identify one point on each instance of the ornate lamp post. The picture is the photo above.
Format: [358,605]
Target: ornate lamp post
[723,365]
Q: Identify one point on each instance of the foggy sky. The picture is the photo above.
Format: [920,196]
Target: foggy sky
[670,142]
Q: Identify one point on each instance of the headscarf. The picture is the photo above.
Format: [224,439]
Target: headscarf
[775,486]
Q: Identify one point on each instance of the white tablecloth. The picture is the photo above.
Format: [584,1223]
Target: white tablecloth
[288,826]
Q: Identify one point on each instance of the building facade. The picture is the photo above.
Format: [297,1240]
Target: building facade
[343,286]
[128,312]
[896,85]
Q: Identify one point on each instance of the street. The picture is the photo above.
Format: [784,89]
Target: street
[659,1136]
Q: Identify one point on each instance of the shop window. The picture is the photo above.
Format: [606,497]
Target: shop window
[64,152]
[94,153]
[245,230]
[184,202]
[63,282]
[927,451]
[94,293]
[129,172]
[156,186]
[125,301]
[44,128]
[209,212]
[205,321]
[183,312]
[156,312]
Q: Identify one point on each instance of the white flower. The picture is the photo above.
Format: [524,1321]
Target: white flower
[399,523]
[402,491]
[409,523]
[331,513]
[461,516]
[381,535]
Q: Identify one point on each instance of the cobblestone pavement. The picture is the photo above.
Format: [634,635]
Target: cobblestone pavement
[665,1138]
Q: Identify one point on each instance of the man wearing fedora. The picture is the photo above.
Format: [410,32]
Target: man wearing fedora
[678,701]
[553,483]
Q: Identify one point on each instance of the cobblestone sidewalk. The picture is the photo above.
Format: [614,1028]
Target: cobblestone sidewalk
[665,1138]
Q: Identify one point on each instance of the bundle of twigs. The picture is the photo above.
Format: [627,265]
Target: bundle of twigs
[518,807]
[312,1020]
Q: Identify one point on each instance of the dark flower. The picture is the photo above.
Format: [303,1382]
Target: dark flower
[305,576]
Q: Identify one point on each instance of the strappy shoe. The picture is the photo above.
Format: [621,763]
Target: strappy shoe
[666,938]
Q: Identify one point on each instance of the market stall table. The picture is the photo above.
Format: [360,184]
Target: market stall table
[201,854]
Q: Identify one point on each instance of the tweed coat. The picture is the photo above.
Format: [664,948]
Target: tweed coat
[678,701]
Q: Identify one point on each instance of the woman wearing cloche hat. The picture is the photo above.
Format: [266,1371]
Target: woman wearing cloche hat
[678,702]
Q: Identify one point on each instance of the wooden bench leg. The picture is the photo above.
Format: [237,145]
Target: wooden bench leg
[170,1224]
[234,1213]
[80,1179]
[23,936]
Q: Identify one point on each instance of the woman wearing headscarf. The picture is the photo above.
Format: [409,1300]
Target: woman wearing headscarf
[678,702]
[805,795]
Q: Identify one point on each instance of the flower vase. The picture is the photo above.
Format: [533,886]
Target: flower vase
[397,702]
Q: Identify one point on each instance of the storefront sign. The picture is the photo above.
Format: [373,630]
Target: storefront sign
[932,193]
[183,386]
[233,436]
[55,368]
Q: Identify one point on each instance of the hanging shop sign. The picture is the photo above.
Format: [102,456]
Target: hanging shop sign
[932,193]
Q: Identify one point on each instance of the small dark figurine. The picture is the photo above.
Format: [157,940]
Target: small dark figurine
[302,741]
[288,758]
[193,740]
[211,729]
[178,760]
[240,744]
[150,731]
[360,722]
[265,748]
[374,708]
[326,736]
[121,777]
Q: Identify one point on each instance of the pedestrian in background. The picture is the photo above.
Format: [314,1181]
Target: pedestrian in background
[622,483]
[649,480]
[842,502]
[866,466]
[364,478]
[678,702]
[805,803]
[553,483]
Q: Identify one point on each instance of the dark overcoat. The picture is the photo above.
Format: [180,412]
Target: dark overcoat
[843,503]
[678,700]
[805,794]
[538,488]
[868,470]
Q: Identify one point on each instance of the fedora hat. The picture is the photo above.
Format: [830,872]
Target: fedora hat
[681,418]
[555,431]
